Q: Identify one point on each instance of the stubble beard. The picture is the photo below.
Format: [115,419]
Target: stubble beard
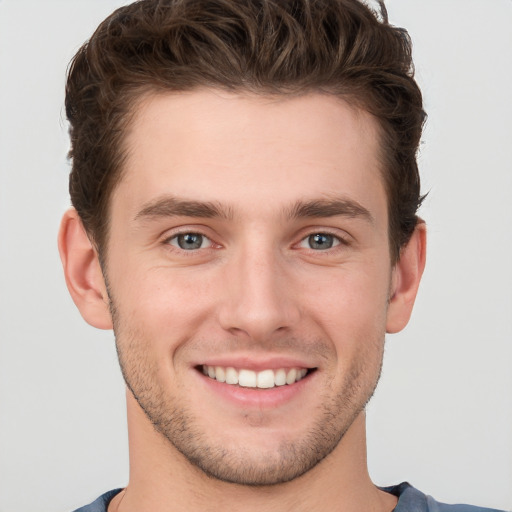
[174,420]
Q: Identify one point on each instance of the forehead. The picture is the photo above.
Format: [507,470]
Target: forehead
[248,149]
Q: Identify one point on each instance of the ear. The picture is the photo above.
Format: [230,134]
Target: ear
[406,279]
[82,270]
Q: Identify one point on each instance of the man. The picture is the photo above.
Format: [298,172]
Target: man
[245,191]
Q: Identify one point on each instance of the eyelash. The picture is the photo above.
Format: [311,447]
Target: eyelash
[338,242]
[175,236]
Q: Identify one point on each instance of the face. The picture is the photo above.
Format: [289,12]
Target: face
[249,275]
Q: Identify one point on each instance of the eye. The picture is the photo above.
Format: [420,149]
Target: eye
[320,241]
[190,241]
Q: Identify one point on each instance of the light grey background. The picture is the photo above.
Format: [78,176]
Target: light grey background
[442,417]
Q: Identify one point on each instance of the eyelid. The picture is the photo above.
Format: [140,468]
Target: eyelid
[172,234]
[336,242]
[340,236]
[175,238]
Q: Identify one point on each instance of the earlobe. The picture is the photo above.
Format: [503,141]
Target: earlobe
[406,279]
[83,273]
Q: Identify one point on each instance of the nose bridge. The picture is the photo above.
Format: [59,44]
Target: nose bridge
[259,300]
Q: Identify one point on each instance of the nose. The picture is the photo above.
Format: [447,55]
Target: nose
[258,295]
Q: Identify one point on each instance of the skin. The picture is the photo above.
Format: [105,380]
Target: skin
[256,177]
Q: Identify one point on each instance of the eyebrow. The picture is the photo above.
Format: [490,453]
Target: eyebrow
[328,208]
[170,206]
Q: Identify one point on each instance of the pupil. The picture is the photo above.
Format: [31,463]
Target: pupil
[320,241]
[190,241]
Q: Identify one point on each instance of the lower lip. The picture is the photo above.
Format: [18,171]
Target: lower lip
[257,397]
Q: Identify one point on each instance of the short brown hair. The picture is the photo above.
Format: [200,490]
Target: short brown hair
[339,47]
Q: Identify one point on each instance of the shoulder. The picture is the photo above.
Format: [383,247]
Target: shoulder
[412,500]
[100,504]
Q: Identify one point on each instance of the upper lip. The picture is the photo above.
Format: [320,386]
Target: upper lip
[256,363]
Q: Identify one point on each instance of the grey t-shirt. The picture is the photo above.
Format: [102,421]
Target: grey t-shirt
[409,500]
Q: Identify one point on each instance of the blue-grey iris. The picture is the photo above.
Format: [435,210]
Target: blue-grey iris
[190,241]
[321,241]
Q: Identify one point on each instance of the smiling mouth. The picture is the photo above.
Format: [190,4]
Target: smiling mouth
[264,379]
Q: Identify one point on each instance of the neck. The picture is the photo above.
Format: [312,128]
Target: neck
[161,479]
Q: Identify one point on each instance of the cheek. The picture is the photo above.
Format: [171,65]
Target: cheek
[351,306]
[360,288]
[163,304]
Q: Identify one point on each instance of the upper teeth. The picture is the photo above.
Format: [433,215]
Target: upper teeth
[251,379]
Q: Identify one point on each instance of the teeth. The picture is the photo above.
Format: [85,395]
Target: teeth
[251,379]
[265,379]
[247,378]
[280,377]
[291,376]
[220,374]
[231,376]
